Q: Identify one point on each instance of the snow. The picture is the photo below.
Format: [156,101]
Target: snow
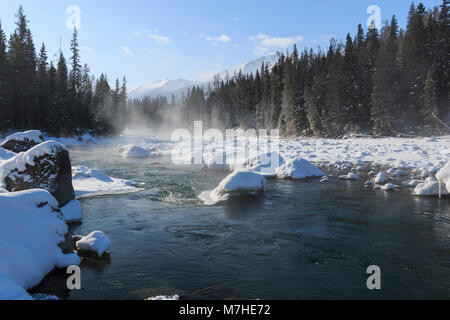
[6,154]
[21,160]
[389,187]
[237,183]
[428,189]
[32,135]
[266,164]
[380,178]
[72,211]
[89,182]
[96,242]
[444,175]
[298,169]
[349,176]
[411,184]
[30,231]
[161,298]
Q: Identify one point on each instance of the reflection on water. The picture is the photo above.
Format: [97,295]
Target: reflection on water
[301,240]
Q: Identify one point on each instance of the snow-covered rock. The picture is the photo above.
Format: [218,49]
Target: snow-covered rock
[444,175]
[31,228]
[266,164]
[237,183]
[161,298]
[96,242]
[137,152]
[298,169]
[349,176]
[429,189]
[430,179]
[380,178]
[411,184]
[389,187]
[72,211]
[89,182]
[45,166]
[22,141]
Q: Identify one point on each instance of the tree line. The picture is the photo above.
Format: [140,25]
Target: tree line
[383,82]
[36,93]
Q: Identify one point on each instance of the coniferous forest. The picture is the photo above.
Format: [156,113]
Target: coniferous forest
[59,97]
[386,82]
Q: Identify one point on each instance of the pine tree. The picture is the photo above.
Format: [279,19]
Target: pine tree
[386,95]
[43,89]
[6,111]
[415,64]
[22,64]
[62,98]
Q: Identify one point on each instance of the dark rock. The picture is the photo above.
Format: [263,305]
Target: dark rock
[46,166]
[22,141]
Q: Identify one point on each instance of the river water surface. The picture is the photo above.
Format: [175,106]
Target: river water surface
[301,240]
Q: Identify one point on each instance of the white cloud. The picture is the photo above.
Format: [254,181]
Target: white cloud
[264,42]
[220,39]
[127,50]
[159,39]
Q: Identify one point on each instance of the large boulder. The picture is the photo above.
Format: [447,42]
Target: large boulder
[45,166]
[236,184]
[22,141]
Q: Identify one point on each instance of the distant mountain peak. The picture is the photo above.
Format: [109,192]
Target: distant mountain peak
[177,87]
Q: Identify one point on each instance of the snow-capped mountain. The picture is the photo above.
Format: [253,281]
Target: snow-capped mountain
[168,87]
[164,88]
[251,67]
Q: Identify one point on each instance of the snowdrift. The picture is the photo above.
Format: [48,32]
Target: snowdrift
[298,169]
[31,227]
[89,182]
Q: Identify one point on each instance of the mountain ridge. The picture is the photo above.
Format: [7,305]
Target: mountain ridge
[167,87]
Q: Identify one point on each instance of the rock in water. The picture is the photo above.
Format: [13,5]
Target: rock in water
[95,242]
[45,166]
[22,141]
[236,184]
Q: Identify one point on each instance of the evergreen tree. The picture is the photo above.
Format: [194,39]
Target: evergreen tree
[386,96]
[5,89]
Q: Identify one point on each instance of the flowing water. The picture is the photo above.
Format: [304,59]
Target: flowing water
[301,240]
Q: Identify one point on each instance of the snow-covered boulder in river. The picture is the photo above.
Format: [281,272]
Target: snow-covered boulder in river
[266,164]
[96,242]
[89,182]
[298,169]
[72,211]
[349,176]
[444,176]
[137,152]
[31,227]
[237,183]
[45,166]
[22,141]
[429,189]
[380,178]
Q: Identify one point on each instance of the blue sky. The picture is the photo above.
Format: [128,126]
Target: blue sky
[149,40]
